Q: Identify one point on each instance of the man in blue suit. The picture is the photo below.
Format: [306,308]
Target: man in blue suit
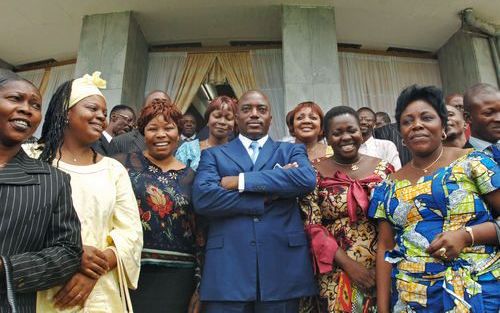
[257,254]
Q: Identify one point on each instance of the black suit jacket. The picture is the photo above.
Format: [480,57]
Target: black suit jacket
[467,145]
[130,142]
[102,146]
[390,132]
[39,229]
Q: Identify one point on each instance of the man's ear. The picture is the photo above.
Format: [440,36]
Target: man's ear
[467,117]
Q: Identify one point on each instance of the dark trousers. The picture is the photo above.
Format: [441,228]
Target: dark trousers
[285,306]
[163,289]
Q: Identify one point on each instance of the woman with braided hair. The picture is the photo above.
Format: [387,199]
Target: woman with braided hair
[102,196]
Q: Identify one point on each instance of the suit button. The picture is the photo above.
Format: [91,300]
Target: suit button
[252,243]
[256,219]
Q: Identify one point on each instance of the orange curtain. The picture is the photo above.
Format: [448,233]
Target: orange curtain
[196,68]
[238,69]
[216,76]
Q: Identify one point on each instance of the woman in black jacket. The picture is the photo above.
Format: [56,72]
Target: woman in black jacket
[40,244]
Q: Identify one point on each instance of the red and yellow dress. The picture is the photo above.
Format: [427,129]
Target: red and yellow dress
[335,216]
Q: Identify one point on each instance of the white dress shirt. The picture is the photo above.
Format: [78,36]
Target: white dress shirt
[481,145]
[184,138]
[382,149]
[246,143]
[107,136]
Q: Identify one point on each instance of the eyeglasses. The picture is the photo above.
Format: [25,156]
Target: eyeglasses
[366,119]
[128,119]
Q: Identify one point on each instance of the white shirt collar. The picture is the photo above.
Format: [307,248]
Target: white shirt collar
[369,141]
[188,138]
[247,141]
[479,144]
[107,136]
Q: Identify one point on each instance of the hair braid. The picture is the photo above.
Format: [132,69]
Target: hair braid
[55,122]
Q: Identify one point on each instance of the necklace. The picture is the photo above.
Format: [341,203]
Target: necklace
[426,169]
[75,160]
[354,166]
[73,156]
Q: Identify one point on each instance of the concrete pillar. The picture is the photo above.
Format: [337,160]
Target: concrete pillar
[310,57]
[113,44]
[464,60]
[498,43]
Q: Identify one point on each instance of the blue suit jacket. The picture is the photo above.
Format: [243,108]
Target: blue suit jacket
[252,246]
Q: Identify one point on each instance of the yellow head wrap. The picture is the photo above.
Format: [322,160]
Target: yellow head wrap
[86,86]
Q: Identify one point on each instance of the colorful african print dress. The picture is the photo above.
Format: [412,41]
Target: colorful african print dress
[449,199]
[335,216]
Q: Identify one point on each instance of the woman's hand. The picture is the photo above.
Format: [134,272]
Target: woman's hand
[448,245]
[94,262]
[75,292]
[110,258]
[194,303]
[360,275]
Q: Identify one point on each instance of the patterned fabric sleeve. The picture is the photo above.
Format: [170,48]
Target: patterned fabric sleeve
[378,204]
[484,171]
[323,244]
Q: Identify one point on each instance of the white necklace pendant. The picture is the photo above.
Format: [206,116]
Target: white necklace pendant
[354,167]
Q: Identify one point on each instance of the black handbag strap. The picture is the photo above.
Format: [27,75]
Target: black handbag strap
[11,298]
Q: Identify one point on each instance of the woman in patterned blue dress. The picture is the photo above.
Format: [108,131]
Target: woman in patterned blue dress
[437,249]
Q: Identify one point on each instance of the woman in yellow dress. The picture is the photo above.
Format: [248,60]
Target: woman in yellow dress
[103,198]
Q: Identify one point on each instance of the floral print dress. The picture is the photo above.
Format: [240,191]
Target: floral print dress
[449,199]
[335,216]
[167,216]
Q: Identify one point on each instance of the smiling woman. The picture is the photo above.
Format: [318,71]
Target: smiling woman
[40,243]
[162,187]
[435,218]
[102,196]
[342,237]
[307,128]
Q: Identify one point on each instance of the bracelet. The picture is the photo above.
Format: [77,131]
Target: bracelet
[471,233]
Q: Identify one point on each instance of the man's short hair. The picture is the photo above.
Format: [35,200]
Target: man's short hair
[478,89]
[385,117]
[121,107]
[367,109]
